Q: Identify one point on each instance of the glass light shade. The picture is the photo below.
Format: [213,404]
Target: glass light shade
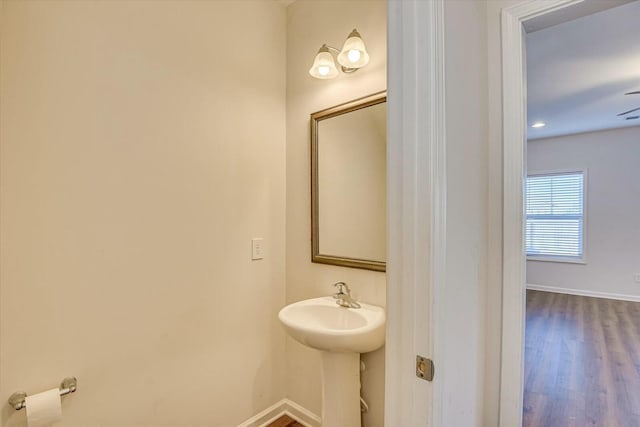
[354,53]
[324,67]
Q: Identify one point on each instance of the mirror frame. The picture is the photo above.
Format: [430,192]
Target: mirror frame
[316,118]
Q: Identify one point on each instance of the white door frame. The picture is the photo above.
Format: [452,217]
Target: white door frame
[514,122]
[416,183]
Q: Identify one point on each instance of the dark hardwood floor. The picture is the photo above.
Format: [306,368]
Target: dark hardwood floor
[285,421]
[582,362]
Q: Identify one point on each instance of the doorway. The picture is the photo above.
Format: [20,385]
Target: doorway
[516,22]
[582,310]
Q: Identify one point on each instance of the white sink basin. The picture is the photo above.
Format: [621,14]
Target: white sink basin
[321,324]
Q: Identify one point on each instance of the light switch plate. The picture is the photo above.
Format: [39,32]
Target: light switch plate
[257,248]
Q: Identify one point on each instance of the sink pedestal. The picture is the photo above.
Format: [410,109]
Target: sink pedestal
[340,389]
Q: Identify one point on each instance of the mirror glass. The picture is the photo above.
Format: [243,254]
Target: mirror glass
[349,147]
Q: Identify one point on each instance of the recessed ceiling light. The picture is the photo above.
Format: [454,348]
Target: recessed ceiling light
[538,125]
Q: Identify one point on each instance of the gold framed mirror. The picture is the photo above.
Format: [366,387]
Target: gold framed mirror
[348,184]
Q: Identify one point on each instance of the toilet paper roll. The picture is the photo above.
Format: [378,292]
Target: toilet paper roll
[43,409]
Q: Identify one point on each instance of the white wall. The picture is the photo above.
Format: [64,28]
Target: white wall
[612,230]
[141,151]
[466,150]
[309,25]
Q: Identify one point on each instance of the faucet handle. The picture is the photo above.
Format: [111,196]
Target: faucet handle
[343,296]
[343,289]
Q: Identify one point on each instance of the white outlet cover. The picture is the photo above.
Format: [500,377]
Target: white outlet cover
[257,248]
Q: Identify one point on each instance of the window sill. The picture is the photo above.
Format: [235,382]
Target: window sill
[556,259]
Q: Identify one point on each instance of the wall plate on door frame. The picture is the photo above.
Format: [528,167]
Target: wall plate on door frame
[425,368]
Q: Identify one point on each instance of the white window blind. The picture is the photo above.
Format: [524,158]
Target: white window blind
[555,215]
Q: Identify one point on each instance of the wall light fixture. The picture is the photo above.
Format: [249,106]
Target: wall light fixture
[351,58]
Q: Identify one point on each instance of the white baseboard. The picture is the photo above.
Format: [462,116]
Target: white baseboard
[278,409]
[265,417]
[302,415]
[595,294]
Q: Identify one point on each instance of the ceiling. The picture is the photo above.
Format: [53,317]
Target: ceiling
[579,71]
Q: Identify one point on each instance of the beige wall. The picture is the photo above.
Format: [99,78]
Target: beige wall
[309,25]
[142,147]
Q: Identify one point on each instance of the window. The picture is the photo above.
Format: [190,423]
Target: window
[555,216]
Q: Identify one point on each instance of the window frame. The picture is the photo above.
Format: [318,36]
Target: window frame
[559,258]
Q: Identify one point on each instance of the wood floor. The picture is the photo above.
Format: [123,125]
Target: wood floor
[582,362]
[285,421]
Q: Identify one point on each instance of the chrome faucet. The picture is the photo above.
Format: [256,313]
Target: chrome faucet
[343,296]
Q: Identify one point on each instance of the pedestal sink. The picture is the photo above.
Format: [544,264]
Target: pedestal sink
[341,334]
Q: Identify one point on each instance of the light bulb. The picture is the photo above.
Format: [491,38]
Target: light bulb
[353,55]
[538,125]
[323,66]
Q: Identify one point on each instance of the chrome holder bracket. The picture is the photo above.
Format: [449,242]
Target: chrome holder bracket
[18,400]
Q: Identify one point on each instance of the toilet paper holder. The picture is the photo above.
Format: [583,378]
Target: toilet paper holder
[18,400]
